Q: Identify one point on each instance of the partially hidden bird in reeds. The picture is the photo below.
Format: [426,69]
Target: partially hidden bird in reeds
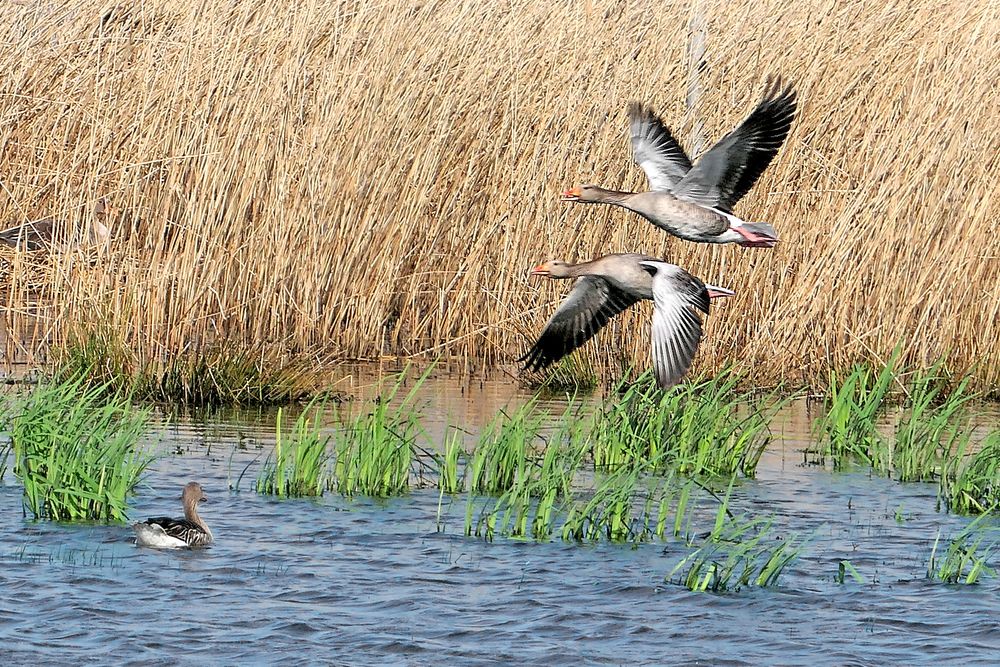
[611,284]
[695,202]
[50,231]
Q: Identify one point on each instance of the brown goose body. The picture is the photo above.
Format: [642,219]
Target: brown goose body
[169,533]
[45,233]
[610,285]
[694,202]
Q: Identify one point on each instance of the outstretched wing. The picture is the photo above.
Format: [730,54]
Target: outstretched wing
[655,150]
[590,305]
[676,323]
[730,168]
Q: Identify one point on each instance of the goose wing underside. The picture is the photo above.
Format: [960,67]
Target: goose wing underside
[590,305]
[676,325]
[656,151]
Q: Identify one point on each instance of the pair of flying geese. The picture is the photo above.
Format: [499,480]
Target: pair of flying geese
[691,201]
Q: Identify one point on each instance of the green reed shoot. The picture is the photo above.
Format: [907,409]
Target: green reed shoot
[845,568]
[736,554]
[297,465]
[374,452]
[75,451]
[970,483]
[702,427]
[449,480]
[931,429]
[854,404]
[962,562]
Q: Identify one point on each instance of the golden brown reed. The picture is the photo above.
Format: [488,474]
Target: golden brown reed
[375,179]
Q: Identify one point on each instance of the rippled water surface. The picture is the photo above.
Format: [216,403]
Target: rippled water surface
[341,581]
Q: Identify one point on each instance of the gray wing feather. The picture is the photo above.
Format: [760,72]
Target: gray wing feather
[730,168]
[676,324]
[590,305]
[655,150]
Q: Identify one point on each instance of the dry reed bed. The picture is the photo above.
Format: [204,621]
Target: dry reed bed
[372,179]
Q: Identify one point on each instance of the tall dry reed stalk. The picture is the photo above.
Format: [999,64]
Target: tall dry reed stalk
[374,179]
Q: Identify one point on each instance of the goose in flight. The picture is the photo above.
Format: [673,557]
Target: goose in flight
[611,284]
[695,202]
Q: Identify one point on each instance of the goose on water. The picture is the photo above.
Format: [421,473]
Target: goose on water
[611,284]
[167,533]
[695,202]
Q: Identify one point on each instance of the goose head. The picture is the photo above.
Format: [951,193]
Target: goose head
[553,268]
[586,194]
[193,494]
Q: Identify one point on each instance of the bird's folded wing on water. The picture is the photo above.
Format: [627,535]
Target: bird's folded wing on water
[729,169]
[182,529]
[591,303]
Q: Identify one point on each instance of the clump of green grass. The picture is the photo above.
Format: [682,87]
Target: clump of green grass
[854,404]
[962,562]
[500,459]
[630,506]
[374,452]
[75,451]
[739,552]
[703,427]
[931,429]
[530,485]
[970,483]
[298,463]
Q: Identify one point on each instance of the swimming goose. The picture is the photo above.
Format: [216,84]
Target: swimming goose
[611,284]
[695,202]
[166,533]
[41,234]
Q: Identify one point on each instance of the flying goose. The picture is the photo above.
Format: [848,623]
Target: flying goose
[695,202]
[611,284]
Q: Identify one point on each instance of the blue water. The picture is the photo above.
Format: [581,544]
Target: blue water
[363,582]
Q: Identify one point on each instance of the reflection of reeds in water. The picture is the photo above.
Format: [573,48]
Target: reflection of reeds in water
[364,180]
[75,452]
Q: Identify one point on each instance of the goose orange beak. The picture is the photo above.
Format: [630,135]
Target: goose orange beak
[573,194]
[539,270]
